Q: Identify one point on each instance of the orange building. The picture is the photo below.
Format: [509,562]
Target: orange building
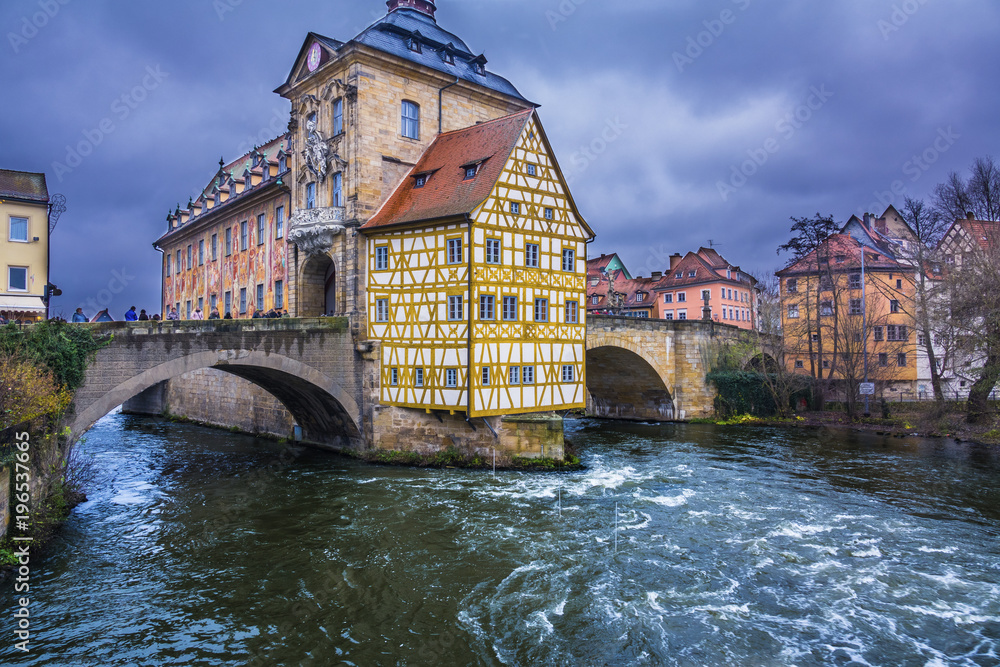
[226,250]
[706,279]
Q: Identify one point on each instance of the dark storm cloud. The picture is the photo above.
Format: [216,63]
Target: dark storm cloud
[651,107]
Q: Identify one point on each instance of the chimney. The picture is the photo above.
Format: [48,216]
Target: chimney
[969,216]
[423,6]
[868,221]
[656,275]
[675,260]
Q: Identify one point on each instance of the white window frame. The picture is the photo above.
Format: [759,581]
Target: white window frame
[451,378]
[410,114]
[10,270]
[10,229]
[261,227]
[382,310]
[279,222]
[486,376]
[528,375]
[418,377]
[568,373]
[514,375]
[382,258]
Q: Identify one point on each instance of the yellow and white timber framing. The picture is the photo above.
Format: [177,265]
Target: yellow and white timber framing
[418,337]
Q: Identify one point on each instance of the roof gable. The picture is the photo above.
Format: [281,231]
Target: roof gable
[446,192]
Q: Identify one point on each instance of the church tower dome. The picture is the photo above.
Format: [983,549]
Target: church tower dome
[423,6]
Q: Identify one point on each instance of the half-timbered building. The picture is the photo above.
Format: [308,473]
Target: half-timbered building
[476,277]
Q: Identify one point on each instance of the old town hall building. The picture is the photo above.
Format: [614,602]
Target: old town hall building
[415,193]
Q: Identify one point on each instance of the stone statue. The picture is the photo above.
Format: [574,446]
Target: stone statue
[317,151]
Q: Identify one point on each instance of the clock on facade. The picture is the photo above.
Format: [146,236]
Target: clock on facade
[312,60]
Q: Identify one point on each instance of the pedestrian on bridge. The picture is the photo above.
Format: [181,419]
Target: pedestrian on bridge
[78,316]
[130,315]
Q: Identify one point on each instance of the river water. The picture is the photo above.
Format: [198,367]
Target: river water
[734,546]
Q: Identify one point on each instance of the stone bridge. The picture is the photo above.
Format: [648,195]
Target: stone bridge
[310,365]
[652,369]
[327,380]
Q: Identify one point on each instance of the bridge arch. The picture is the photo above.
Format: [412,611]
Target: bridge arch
[326,412]
[623,384]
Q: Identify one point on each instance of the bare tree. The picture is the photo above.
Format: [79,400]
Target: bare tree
[930,296]
[974,300]
[808,238]
[979,194]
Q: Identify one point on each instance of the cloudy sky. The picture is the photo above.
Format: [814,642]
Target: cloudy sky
[677,121]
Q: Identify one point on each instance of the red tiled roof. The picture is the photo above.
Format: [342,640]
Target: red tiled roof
[23,185]
[713,258]
[845,246]
[984,232]
[446,192]
[598,264]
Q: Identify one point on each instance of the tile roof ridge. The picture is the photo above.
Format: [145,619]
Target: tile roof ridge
[508,117]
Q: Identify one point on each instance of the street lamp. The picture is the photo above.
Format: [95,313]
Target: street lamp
[864,323]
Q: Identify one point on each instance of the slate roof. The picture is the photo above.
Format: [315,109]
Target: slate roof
[392,33]
[446,192]
[23,185]
[233,170]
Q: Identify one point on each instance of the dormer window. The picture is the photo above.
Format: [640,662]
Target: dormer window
[448,57]
[413,45]
[282,164]
[640,297]
[420,181]
[678,275]
[218,197]
[479,65]
[247,181]
[692,274]
[470,172]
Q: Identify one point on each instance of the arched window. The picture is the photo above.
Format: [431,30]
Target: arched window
[411,120]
